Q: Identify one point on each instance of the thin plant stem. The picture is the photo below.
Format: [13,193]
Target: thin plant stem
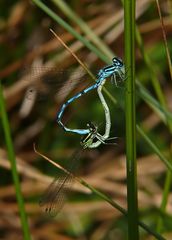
[12,159]
[129,27]
[74,55]
[165,39]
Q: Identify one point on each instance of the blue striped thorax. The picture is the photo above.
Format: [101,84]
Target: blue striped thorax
[108,71]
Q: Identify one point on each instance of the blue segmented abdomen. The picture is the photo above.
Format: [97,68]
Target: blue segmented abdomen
[60,113]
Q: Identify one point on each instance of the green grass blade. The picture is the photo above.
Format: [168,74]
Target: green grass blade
[11,156]
[119,208]
[66,26]
[162,112]
[129,26]
[155,148]
[149,64]
[166,192]
[84,27]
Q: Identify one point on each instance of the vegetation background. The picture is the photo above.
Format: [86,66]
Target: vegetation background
[38,74]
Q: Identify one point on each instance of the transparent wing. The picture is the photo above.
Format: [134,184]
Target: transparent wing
[49,82]
[55,195]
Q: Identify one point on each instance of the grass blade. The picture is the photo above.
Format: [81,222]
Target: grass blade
[66,26]
[155,148]
[11,156]
[84,27]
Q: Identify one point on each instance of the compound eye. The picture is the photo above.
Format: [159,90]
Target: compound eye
[117,61]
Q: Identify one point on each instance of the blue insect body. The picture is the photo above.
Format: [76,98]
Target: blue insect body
[109,71]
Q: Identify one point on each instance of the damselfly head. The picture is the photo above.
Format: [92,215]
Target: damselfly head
[88,139]
[117,62]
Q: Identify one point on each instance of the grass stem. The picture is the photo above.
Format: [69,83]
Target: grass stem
[129,26]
